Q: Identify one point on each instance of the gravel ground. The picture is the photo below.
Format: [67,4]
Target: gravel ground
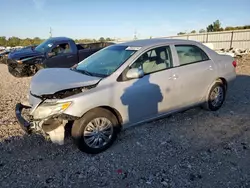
[195,148]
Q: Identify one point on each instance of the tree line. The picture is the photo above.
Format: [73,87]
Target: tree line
[15,41]
[216,26]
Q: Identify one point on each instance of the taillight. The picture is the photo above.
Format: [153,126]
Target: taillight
[234,63]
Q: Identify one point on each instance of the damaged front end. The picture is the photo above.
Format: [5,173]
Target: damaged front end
[3,58]
[46,114]
[25,67]
[47,118]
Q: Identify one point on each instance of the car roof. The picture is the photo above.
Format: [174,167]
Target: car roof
[54,39]
[155,41]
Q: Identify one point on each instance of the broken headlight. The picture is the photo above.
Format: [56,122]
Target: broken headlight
[67,92]
[49,109]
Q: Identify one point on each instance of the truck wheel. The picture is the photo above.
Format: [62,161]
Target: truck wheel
[33,69]
[95,131]
[216,97]
[14,72]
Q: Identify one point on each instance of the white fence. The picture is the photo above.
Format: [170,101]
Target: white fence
[223,39]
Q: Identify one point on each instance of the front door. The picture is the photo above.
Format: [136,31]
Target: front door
[64,56]
[154,93]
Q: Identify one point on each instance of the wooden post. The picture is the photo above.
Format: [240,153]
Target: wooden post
[231,42]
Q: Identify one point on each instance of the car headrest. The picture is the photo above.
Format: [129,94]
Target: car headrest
[163,55]
[144,57]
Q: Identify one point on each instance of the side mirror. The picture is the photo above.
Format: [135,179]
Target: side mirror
[51,54]
[135,73]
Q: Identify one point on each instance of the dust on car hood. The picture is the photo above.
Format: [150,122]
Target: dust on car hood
[51,80]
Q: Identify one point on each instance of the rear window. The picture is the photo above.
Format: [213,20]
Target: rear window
[96,45]
[188,54]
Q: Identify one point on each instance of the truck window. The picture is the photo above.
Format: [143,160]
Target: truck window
[45,46]
[63,48]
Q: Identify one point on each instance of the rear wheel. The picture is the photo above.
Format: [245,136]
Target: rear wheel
[95,131]
[216,97]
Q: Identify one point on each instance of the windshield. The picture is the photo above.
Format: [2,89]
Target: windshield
[106,61]
[45,46]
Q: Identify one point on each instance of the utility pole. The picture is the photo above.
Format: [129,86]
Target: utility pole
[50,32]
[135,35]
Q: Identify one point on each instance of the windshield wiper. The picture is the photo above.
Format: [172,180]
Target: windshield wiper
[100,75]
[82,71]
[89,73]
[86,72]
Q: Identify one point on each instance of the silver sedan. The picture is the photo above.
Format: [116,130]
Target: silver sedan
[123,85]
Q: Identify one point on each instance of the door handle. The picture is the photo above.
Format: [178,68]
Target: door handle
[174,77]
[69,56]
[210,68]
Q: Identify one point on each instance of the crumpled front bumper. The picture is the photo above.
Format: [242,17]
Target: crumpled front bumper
[54,126]
[24,124]
[3,59]
[45,125]
[20,69]
[16,69]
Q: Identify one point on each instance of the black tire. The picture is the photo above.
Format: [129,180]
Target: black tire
[209,105]
[80,125]
[14,72]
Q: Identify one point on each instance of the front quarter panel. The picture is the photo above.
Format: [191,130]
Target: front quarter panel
[83,102]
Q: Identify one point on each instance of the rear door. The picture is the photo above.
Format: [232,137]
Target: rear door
[194,74]
[154,93]
[65,56]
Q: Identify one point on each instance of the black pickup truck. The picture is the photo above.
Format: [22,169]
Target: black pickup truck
[58,52]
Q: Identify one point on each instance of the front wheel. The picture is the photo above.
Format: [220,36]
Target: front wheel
[95,131]
[216,97]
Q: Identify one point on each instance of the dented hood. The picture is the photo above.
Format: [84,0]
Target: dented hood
[23,53]
[51,80]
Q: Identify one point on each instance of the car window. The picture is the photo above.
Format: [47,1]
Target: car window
[154,60]
[62,49]
[106,61]
[44,46]
[190,54]
[96,45]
